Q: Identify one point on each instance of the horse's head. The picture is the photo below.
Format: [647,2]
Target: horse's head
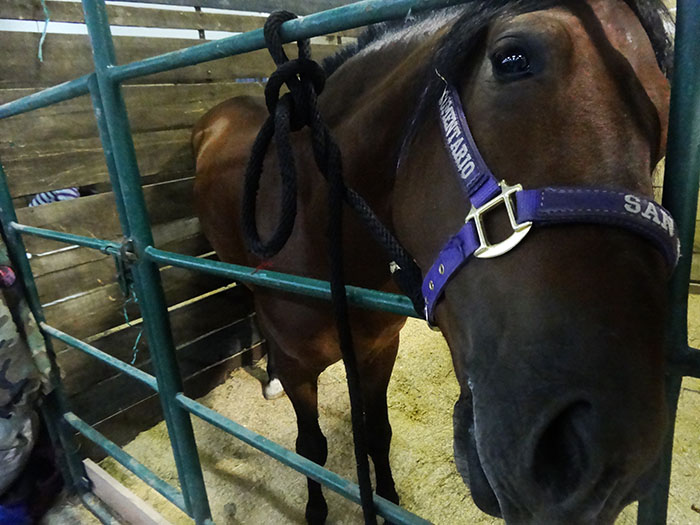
[558,345]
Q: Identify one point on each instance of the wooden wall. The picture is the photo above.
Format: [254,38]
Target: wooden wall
[58,147]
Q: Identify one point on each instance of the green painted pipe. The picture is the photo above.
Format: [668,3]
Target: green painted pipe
[128,369]
[388,510]
[339,19]
[103,130]
[146,275]
[127,461]
[55,403]
[680,196]
[99,509]
[362,297]
[68,238]
[46,97]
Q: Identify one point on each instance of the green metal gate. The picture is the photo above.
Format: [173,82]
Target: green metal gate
[143,259]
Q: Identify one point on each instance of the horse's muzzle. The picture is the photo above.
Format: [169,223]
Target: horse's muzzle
[568,469]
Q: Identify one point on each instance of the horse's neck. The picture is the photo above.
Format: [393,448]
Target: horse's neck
[368,104]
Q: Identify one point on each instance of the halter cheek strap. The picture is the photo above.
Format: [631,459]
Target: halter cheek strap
[528,208]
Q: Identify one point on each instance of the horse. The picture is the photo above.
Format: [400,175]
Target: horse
[558,345]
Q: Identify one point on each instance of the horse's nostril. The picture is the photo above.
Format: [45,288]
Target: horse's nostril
[561,456]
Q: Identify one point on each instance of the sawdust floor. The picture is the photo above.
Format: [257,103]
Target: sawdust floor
[247,487]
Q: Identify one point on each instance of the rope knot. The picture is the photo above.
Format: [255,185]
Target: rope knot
[305,80]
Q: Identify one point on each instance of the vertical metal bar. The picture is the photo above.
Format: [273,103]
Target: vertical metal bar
[146,275]
[54,404]
[99,509]
[680,198]
[99,111]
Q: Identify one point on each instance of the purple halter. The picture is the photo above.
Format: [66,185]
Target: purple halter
[528,208]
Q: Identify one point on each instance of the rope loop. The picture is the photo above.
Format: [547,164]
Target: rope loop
[273,37]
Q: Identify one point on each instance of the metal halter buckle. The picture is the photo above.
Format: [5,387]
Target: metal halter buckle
[486,250]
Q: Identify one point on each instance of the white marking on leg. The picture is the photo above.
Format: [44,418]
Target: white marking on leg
[273,389]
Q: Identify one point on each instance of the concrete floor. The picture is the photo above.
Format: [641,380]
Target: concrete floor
[69,511]
[247,487]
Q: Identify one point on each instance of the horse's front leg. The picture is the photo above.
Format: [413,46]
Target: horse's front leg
[301,386]
[375,371]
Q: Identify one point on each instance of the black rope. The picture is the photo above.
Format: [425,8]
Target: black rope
[305,79]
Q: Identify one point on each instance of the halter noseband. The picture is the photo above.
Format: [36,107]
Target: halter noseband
[528,208]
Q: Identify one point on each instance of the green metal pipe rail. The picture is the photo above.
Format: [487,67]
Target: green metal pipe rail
[104,87]
[127,461]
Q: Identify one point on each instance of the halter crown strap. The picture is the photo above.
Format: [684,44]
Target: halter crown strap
[478,182]
[526,208]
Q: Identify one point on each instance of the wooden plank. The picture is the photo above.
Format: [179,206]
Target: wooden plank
[127,424]
[162,156]
[104,307]
[120,391]
[101,272]
[127,505]
[72,119]
[63,139]
[136,16]
[96,215]
[695,269]
[301,7]
[151,108]
[21,68]
[164,235]
[189,323]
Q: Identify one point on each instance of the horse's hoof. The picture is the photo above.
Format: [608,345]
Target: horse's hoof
[316,515]
[391,495]
[273,389]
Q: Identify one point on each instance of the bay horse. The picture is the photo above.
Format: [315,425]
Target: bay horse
[558,345]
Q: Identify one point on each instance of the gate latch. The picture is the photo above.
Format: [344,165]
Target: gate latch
[123,261]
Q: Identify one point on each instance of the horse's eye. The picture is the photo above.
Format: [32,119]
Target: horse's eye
[511,64]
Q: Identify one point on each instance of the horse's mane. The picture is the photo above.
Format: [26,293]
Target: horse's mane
[475,16]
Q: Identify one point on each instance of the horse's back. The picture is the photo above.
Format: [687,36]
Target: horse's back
[221,141]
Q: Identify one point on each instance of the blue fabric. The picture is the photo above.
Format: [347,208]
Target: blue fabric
[632,212]
[16,514]
[453,256]
[54,196]
[478,182]
[626,210]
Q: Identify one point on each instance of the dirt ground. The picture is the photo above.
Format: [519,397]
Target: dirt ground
[247,487]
